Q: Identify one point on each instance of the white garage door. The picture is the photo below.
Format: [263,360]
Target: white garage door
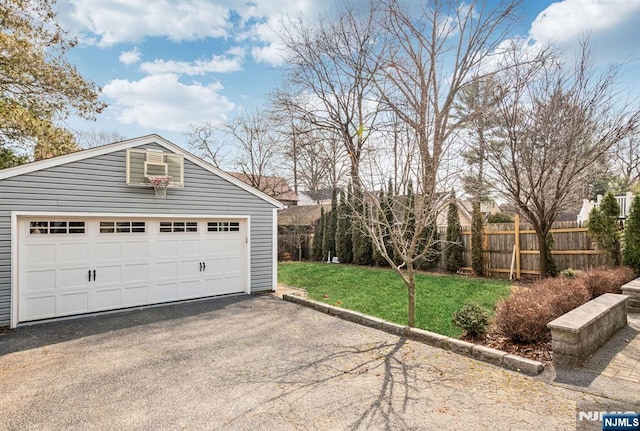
[74,265]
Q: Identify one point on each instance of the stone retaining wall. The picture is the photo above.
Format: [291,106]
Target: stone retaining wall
[576,335]
[632,290]
[482,353]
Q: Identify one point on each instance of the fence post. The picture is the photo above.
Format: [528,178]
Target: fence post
[486,252]
[516,222]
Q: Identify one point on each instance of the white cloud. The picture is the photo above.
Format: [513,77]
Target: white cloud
[117,21]
[271,54]
[236,51]
[217,64]
[161,102]
[272,50]
[130,57]
[612,26]
[109,22]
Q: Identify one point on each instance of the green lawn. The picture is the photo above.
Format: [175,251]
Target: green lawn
[380,292]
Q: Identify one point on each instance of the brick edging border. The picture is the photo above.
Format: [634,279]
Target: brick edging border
[482,353]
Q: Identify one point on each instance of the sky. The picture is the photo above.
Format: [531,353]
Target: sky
[164,65]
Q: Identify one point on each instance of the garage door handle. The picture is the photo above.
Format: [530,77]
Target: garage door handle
[89,275]
[94,275]
[200,266]
[204,266]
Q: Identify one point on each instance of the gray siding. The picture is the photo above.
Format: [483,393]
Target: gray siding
[98,184]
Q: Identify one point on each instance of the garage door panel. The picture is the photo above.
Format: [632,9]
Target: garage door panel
[108,275]
[212,248]
[232,264]
[108,251]
[166,270]
[231,284]
[108,299]
[74,303]
[189,289]
[163,292]
[213,285]
[214,267]
[167,248]
[38,281]
[232,247]
[189,268]
[73,278]
[38,307]
[40,254]
[73,254]
[136,295]
[136,272]
[189,248]
[136,249]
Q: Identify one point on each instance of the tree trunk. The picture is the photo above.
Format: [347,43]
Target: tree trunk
[355,178]
[411,293]
[542,247]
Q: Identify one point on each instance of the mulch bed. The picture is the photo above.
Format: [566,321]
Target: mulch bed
[538,351]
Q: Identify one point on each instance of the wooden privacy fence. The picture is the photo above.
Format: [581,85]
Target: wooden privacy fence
[508,248]
[513,248]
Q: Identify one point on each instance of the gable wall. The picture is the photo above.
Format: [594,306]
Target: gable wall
[98,184]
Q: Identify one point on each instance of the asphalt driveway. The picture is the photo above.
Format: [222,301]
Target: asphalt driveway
[256,363]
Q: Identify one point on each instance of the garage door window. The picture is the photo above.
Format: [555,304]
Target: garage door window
[223,226]
[178,226]
[122,227]
[56,227]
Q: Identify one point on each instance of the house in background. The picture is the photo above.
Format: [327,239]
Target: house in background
[624,200]
[321,197]
[276,187]
[87,232]
[296,228]
[465,211]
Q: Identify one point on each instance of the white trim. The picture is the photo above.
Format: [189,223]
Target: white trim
[130,143]
[15,215]
[248,255]
[274,258]
[13,310]
[126,215]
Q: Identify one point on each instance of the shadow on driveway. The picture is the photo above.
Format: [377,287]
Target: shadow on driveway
[50,332]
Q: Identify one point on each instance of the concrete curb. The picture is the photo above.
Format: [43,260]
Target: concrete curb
[482,353]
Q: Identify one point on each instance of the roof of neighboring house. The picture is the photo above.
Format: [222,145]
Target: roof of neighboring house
[301,215]
[276,187]
[321,195]
[568,213]
[486,207]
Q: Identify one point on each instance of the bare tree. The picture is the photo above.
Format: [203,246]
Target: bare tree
[204,139]
[258,150]
[430,53]
[322,162]
[331,70]
[391,154]
[624,159]
[95,138]
[424,55]
[557,123]
[316,157]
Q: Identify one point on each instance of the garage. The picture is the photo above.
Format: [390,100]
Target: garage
[129,224]
[70,266]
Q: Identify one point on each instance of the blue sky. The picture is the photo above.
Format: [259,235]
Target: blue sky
[164,64]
